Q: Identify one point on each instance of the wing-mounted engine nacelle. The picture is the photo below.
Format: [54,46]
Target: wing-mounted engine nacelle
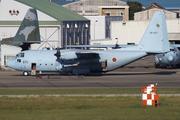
[65,55]
[68,56]
[63,68]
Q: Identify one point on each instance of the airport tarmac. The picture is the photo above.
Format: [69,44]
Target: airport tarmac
[135,75]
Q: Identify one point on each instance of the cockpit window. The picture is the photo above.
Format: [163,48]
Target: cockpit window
[20,55]
[171,49]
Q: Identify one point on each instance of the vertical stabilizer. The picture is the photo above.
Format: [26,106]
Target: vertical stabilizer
[155,38]
[28,30]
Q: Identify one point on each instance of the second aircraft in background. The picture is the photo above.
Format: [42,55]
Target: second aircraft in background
[169,59]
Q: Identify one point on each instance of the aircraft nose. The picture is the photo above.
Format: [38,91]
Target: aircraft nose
[156,60]
[10,64]
[170,58]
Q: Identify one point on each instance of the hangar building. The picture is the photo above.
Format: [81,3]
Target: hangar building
[56,24]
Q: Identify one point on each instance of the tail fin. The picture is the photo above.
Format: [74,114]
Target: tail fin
[155,38]
[28,31]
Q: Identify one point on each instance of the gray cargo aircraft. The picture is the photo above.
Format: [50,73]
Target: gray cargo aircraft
[28,32]
[76,61]
[169,59]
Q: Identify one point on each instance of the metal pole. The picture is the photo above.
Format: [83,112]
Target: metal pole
[94,27]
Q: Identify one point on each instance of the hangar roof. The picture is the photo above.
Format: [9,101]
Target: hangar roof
[40,23]
[54,10]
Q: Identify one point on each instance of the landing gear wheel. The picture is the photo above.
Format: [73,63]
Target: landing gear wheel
[86,74]
[169,66]
[25,73]
[156,65]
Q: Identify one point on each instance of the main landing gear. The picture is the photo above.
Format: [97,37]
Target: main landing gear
[25,73]
[156,65]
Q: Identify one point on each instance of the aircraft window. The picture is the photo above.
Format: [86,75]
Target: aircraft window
[18,60]
[171,49]
[16,55]
[20,55]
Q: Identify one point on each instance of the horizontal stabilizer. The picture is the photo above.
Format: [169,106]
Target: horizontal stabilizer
[7,41]
[176,45]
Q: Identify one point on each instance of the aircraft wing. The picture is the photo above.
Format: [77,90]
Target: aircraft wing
[99,46]
[76,56]
[92,46]
[32,42]
[176,45]
[86,54]
[156,52]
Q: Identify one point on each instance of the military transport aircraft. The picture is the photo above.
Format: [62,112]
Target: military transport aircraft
[76,61]
[169,59]
[28,32]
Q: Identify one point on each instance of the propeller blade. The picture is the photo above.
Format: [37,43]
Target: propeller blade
[58,54]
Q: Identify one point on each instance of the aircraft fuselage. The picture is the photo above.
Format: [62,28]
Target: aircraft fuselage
[69,61]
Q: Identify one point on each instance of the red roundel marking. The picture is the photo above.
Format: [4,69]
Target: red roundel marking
[114,59]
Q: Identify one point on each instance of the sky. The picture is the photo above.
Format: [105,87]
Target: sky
[163,3]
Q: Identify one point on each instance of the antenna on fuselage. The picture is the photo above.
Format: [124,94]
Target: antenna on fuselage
[116,45]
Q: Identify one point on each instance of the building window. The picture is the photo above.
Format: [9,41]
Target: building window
[7,58]
[130,43]
[120,13]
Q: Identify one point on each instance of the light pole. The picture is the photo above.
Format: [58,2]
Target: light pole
[94,27]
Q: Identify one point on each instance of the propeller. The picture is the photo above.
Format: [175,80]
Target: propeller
[58,53]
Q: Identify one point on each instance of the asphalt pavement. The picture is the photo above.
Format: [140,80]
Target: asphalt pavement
[135,75]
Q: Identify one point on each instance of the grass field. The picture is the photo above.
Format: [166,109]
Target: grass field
[87,108]
[82,91]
